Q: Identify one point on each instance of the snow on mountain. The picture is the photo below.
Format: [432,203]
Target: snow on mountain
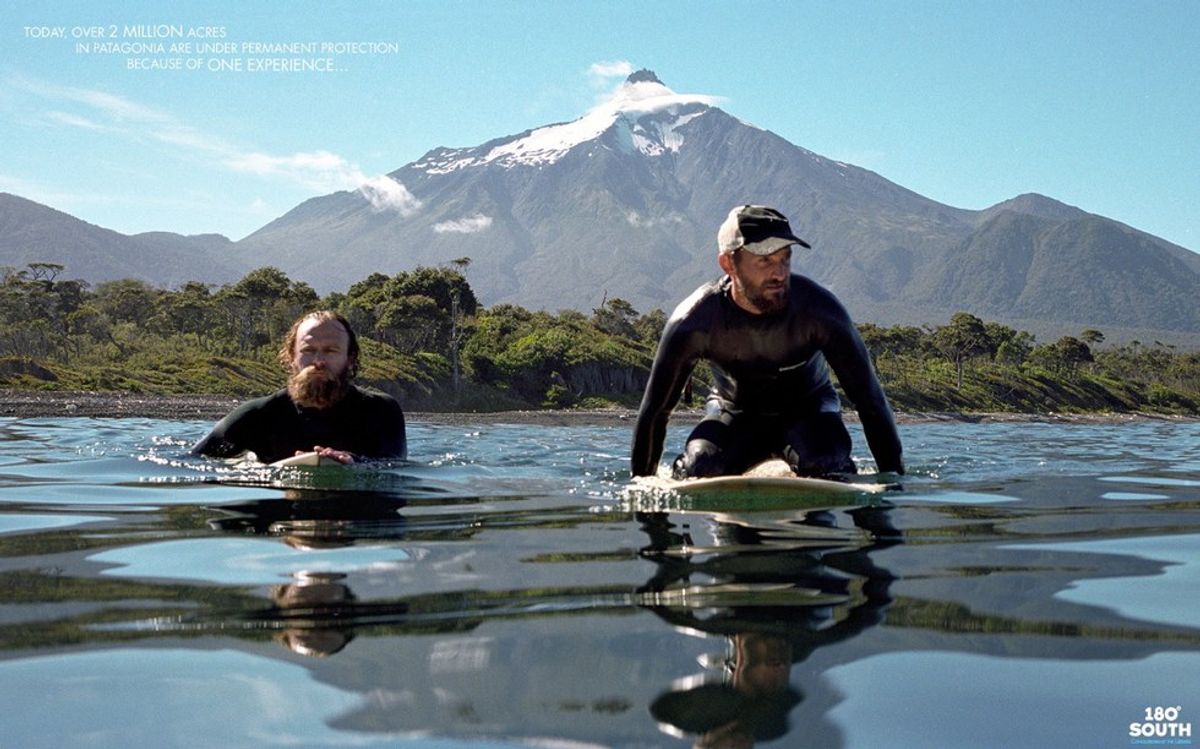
[626,110]
[624,202]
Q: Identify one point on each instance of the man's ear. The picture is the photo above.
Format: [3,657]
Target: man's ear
[725,260]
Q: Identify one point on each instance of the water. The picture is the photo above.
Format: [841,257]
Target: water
[1033,585]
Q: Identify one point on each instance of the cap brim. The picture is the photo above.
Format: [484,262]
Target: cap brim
[772,245]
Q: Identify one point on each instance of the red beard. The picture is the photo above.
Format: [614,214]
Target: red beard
[317,388]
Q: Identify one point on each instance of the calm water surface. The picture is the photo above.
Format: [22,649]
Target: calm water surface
[1031,585]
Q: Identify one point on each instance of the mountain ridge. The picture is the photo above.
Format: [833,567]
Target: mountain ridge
[31,232]
[625,200]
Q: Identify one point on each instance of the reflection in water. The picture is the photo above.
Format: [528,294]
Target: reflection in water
[311,607]
[315,615]
[527,601]
[776,585]
[751,704]
[810,584]
[307,518]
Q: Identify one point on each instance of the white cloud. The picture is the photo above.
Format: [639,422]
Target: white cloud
[116,106]
[74,120]
[601,75]
[323,171]
[617,69]
[386,193]
[320,171]
[468,225]
[110,113]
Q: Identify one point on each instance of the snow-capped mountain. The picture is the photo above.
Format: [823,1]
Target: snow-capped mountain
[625,202]
[644,115]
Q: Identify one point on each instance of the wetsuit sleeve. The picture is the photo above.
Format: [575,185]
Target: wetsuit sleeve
[228,437]
[848,356]
[393,439]
[672,365]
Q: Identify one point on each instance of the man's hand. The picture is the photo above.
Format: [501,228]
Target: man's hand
[340,456]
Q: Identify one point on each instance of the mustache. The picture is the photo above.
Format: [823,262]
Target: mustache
[312,372]
[317,388]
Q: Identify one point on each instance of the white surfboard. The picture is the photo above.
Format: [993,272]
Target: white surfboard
[772,478]
[305,459]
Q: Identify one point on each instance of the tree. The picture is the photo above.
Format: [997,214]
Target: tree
[964,338]
[1007,345]
[457,327]
[258,309]
[616,317]
[411,323]
[45,271]
[439,284]
[188,311]
[650,326]
[1064,355]
[1073,352]
[891,343]
[127,300]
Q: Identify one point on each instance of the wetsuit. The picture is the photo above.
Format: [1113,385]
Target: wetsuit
[772,394]
[364,423]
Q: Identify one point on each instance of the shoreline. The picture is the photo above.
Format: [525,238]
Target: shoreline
[25,404]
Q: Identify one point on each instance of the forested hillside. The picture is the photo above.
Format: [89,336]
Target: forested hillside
[427,340]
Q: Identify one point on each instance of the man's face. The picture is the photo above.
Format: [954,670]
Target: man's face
[320,364]
[760,282]
[764,664]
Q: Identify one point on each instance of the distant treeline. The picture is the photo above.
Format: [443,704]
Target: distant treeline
[426,339]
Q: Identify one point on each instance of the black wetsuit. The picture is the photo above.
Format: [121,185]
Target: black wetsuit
[364,423]
[772,394]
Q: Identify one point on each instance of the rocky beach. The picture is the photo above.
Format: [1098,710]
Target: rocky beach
[46,403]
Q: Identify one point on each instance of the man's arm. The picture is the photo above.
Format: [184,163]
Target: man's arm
[225,439]
[374,426]
[848,356]
[672,366]
[393,438]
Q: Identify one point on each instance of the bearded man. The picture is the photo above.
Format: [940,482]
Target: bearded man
[320,410]
[770,337]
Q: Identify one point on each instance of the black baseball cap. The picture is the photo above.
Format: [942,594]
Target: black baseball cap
[757,229]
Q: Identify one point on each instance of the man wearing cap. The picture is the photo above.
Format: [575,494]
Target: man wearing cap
[770,337]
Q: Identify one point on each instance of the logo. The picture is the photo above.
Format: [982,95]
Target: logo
[1160,726]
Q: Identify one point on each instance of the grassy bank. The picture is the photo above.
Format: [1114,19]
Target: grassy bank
[426,340]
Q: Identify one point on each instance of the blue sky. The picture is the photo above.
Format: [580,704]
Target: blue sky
[970,103]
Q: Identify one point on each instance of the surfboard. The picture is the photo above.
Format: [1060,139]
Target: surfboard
[305,459]
[771,482]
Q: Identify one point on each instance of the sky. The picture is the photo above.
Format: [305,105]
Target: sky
[969,102]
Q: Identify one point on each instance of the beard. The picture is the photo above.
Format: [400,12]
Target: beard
[767,297]
[318,388]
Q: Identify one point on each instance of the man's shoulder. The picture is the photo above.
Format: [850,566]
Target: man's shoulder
[264,402]
[809,286]
[374,398]
[816,299]
[699,302]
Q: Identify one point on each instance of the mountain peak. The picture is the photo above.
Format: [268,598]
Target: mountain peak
[645,75]
[1034,204]
[641,94]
